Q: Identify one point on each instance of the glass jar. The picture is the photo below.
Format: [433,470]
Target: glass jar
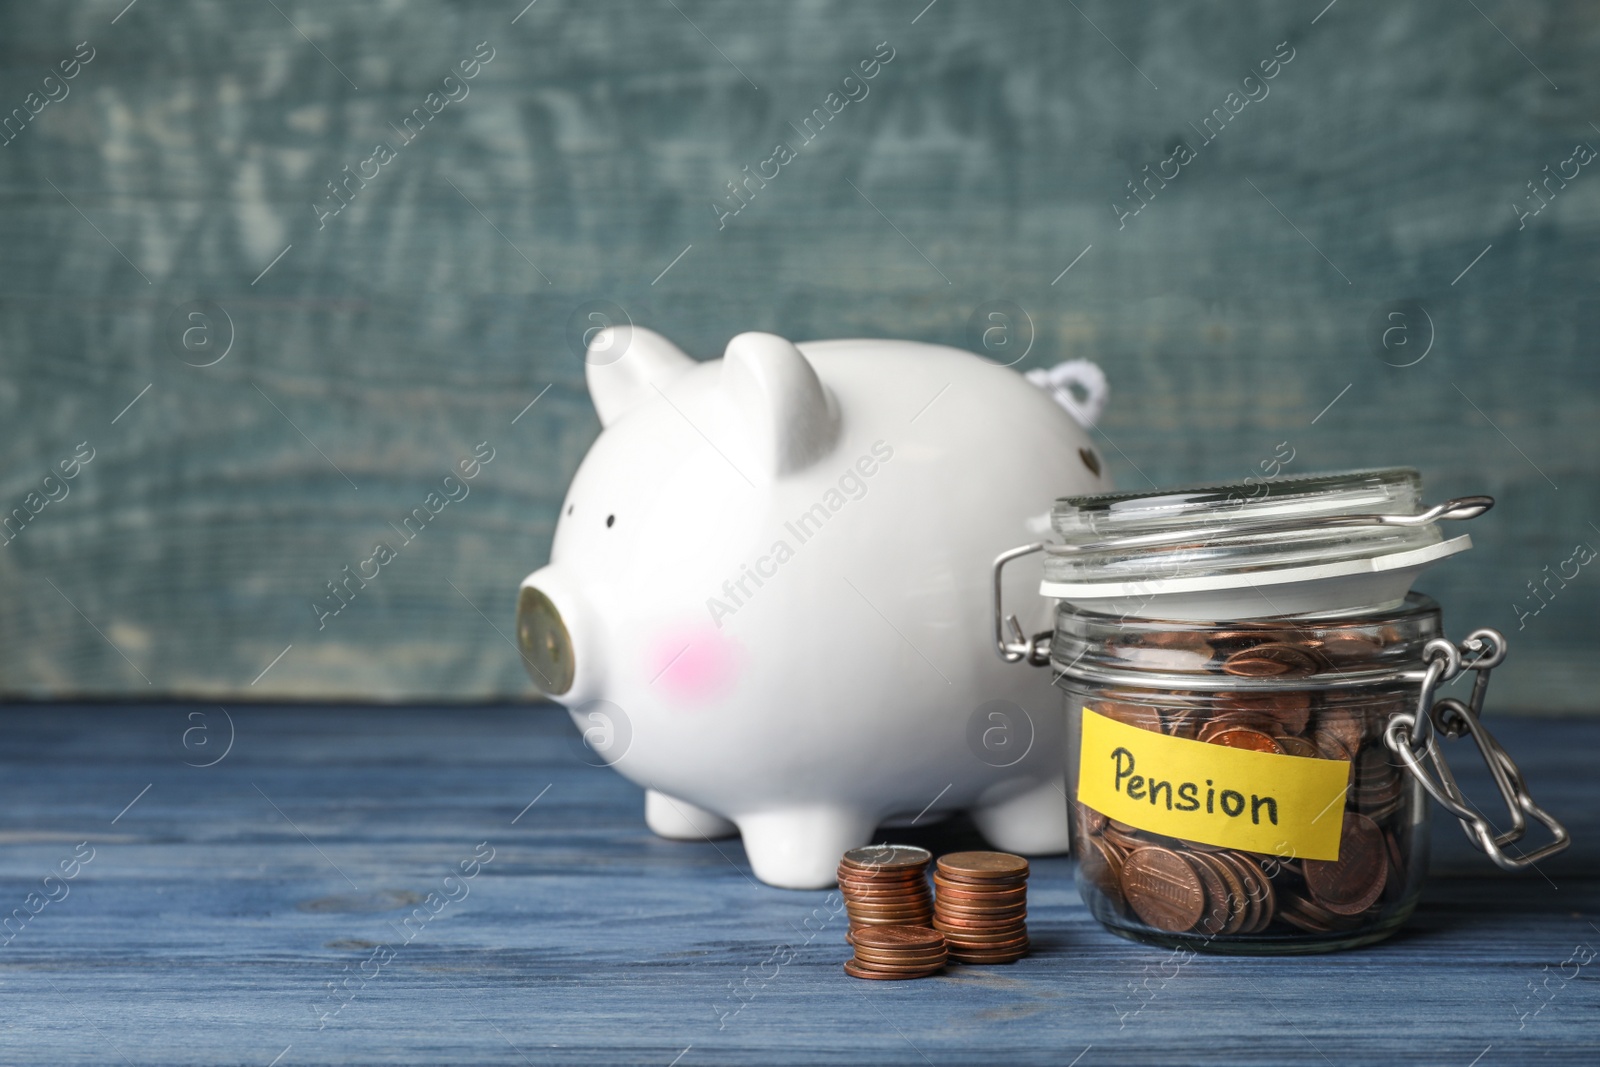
[1249,695]
[1274,687]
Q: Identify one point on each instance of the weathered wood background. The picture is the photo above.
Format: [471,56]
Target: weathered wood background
[369,355]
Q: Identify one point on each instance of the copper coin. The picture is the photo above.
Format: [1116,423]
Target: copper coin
[980,886]
[1259,888]
[1246,896]
[1255,720]
[924,900]
[1299,746]
[959,951]
[866,877]
[882,885]
[901,937]
[952,885]
[881,958]
[890,874]
[919,963]
[1016,944]
[1270,661]
[986,917]
[1123,843]
[889,899]
[1016,947]
[855,970]
[956,924]
[1182,640]
[1212,728]
[878,906]
[1346,724]
[1162,888]
[989,953]
[1100,865]
[1305,913]
[982,922]
[892,920]
[1238,897]
[884,892]
[1181,722]
[886,896]
[920,911]
[1241,737]
[1294,918]
[889,879]
[947,899]
[1350,646]
[1129,714]
[955,935]
[979,959]
[915,970]
[1350,884]
[978,911]
[1259,705]
[1331,747]
[1218,907]
[1290,707]
[853,891]
[913,913]
[887,858]
[1090,820]
[983,936]
[983,865]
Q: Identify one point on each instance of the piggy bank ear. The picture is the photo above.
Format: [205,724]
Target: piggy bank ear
[627,364]
[787,415]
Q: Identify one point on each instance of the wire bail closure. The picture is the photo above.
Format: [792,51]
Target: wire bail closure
[1010,642]
[1413,736]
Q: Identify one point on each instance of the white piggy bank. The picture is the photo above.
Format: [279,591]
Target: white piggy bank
[769,594]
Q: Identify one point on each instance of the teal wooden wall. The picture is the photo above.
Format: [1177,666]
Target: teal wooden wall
[189,159]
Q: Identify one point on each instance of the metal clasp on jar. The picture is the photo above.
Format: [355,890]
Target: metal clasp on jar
[1013,645]
[1414,737]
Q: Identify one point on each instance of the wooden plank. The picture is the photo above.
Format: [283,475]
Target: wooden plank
[216,910]
[374,348]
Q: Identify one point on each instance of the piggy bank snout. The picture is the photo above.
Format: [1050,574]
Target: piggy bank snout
[545,641]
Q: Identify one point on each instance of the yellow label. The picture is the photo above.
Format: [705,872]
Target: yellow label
[1254,801]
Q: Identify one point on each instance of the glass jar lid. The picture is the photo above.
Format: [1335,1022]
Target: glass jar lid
[1317,543]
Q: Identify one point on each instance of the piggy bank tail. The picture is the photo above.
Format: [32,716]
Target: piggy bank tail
[1077,385]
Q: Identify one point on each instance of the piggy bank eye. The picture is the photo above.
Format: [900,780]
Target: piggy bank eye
[609,520]
[569,509]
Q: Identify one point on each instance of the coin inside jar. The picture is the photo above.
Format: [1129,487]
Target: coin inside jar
[1352,883]
[1163,888]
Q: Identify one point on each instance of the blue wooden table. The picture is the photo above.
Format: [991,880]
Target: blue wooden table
[370,885]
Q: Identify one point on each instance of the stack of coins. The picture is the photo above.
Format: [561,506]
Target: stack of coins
[981,906]
[888,953]
[1179,886]
[885,885]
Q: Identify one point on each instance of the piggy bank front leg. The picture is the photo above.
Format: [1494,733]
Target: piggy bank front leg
[1031,823]
[681,821]
[800,848]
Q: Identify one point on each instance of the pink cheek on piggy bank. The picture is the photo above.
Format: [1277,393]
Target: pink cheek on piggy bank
[694,665]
